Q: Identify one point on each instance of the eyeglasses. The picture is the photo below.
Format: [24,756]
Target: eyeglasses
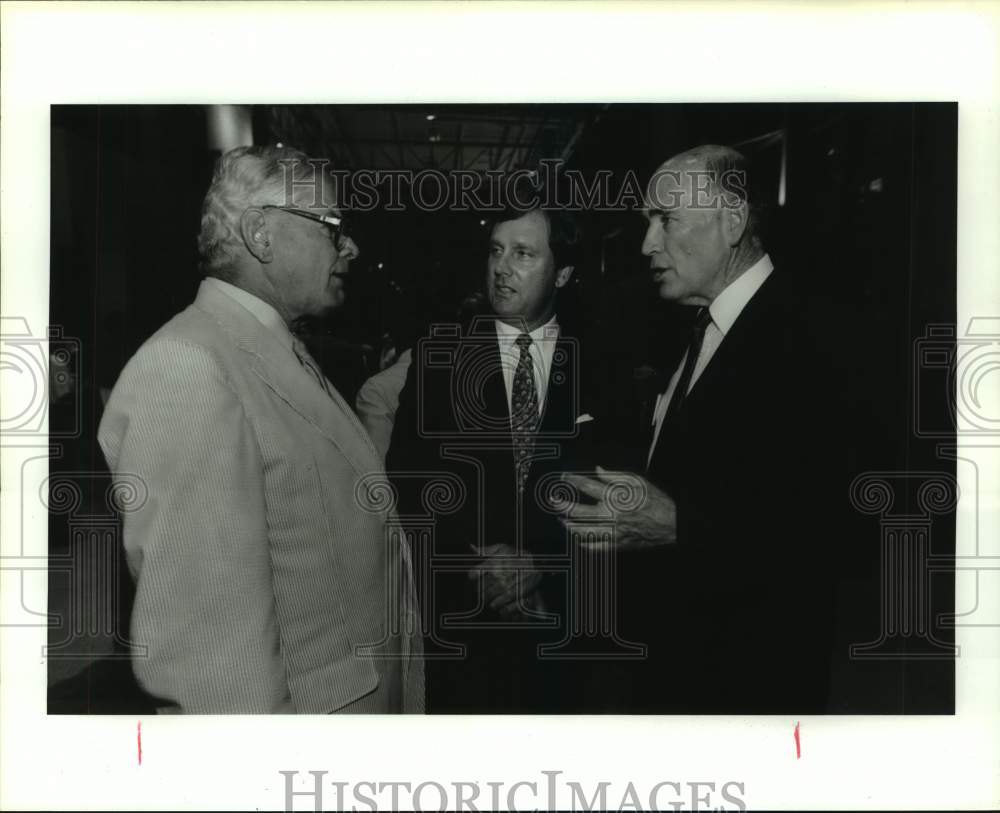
[336,226]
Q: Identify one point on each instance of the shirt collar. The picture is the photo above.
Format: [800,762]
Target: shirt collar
[507,334]
[728,305]
[261,310]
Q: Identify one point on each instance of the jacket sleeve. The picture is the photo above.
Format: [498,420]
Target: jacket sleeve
[408,451]
[198,546]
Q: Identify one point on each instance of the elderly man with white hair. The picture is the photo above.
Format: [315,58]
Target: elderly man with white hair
[266,581]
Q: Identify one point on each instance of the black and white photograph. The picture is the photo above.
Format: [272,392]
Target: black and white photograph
[578,419]
[649,435]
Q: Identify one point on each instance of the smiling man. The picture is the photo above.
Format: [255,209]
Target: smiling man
[734,537]
[261,583]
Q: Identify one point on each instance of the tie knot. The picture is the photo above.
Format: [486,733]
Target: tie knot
[702,319]
[523,341]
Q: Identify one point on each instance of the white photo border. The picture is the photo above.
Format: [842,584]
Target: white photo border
[207,53]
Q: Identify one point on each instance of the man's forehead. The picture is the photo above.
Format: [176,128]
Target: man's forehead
[530,224]
[673,183]
[677,172]
[684,161]
[319,196]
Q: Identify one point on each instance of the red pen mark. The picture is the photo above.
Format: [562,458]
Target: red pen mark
[798,744]
[138,740]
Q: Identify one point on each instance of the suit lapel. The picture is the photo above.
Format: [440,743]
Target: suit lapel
[278,368]
[330,415]
[743,337]
[558,412]
[728,376]
[485,350]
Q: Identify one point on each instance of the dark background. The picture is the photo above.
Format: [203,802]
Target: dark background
[868,225]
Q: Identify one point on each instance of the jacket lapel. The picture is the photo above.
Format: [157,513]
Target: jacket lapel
[278,368]
[330,415]
[558,416]
[484,353]
[743,337]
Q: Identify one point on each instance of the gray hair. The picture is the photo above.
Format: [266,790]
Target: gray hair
[245,177]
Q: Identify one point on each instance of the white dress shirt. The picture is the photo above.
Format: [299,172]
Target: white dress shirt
[724,310]
[543,346]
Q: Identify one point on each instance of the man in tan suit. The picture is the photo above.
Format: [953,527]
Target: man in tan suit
[268,576]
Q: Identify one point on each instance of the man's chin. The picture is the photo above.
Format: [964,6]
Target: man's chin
[503,308]
[508,314]
[666,290]
[335,293]
[669,290]
[333,301]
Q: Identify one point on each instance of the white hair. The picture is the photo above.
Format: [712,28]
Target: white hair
[245,177]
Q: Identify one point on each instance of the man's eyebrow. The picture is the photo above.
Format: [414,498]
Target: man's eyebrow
[515,244]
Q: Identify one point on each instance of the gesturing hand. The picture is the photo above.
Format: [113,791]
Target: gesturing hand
[646,517]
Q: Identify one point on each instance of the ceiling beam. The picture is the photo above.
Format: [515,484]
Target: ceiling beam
[416,142]
[495,157]
[535,141]
[389,158]
[395,134]
[514,148]
[475,160]
[345,137]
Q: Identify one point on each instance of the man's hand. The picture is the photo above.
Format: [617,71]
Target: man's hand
[510,581]
[641,514]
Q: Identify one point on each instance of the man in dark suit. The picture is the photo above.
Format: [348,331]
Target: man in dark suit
[494,413]
[732,524]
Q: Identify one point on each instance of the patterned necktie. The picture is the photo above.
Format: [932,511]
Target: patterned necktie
[524,411]
[309,363]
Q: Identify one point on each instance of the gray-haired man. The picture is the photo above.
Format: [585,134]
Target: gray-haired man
[263,582]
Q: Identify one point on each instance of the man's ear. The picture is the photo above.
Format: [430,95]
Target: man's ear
[563,275]
[255,234]
[734,222]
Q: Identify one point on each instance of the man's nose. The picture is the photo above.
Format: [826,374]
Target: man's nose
[349,249]
[501,266]
[651,243]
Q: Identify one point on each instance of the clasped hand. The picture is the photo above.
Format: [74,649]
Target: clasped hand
[510,581]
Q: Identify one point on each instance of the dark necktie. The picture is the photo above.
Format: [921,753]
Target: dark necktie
[524,411]
[697,337]
[695,340]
